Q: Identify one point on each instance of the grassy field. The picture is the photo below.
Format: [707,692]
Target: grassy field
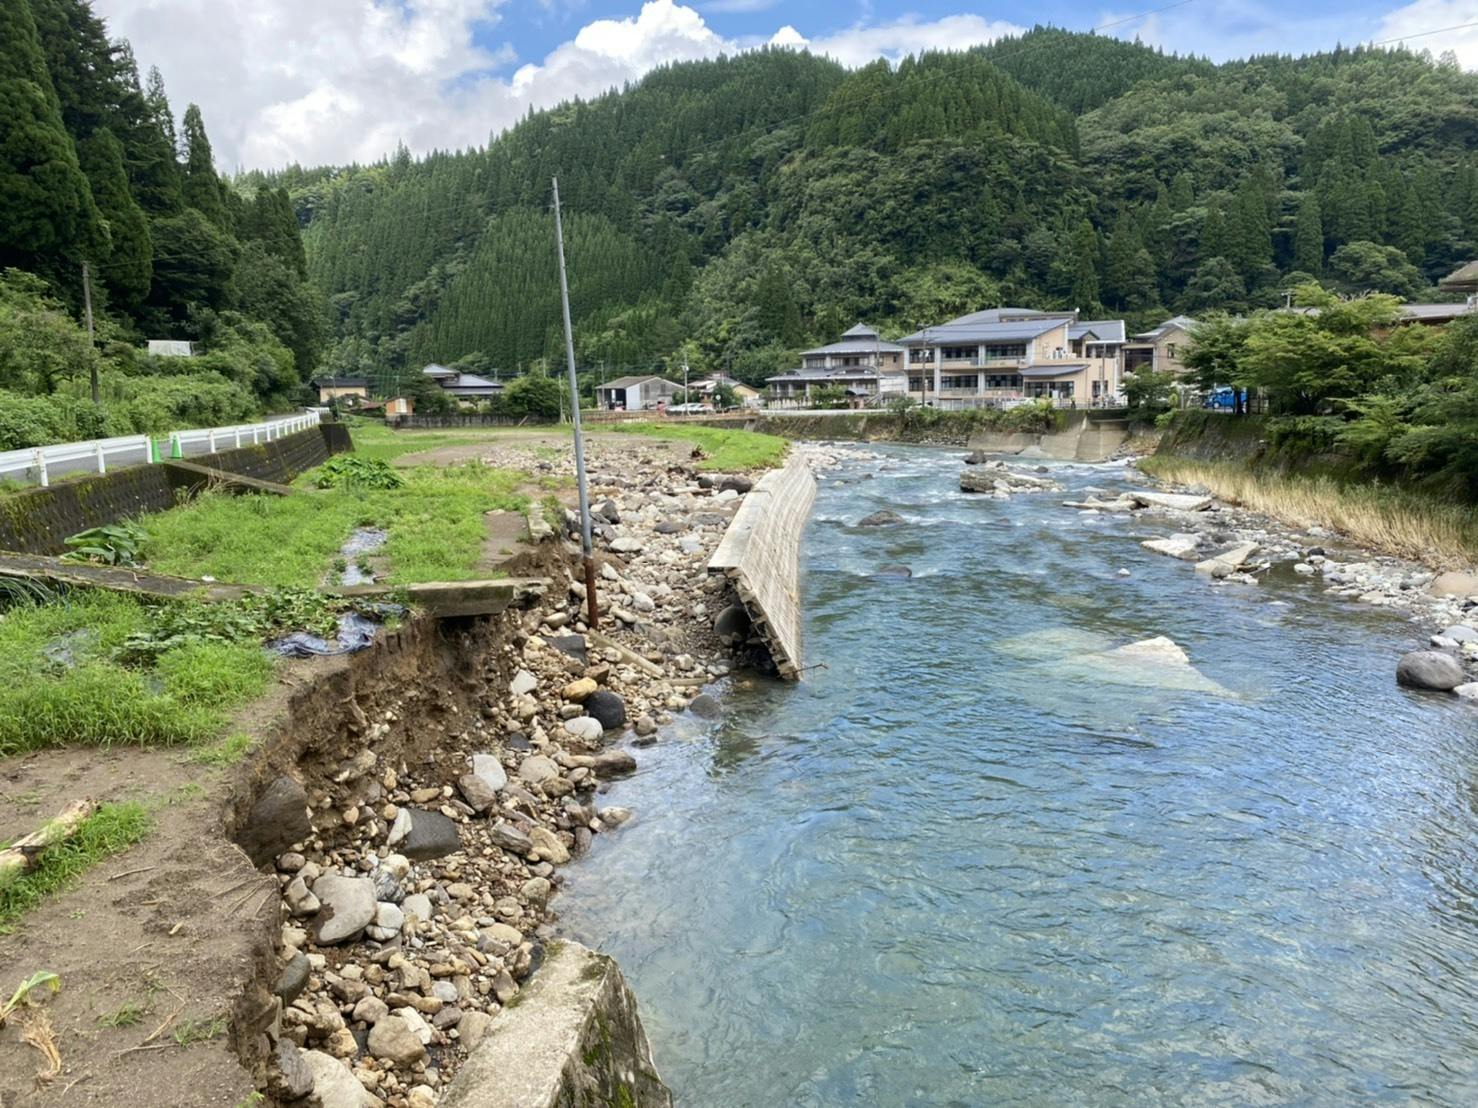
[726,450]
[1394,521]
[60,682]
[435,527]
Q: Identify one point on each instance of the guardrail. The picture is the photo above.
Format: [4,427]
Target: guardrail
[42,463]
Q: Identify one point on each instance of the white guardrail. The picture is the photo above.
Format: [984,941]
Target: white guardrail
[42,463]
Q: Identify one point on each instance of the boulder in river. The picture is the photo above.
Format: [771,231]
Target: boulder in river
[1228,561]
[884,518]
[893,571]
[1454,584]
[607,708]
[1429,669]
[1183,547]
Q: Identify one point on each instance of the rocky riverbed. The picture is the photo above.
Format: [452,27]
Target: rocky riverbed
[419,898]
[1232,546]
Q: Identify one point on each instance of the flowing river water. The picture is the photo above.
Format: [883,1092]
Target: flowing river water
[971,862]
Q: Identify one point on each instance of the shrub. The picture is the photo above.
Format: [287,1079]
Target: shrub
[349,471]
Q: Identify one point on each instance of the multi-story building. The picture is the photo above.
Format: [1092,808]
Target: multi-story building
[1005,355]
[1162,349]
[862,364]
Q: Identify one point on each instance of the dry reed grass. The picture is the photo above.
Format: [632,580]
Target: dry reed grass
[1440,533]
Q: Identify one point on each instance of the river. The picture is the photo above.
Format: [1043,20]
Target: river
[969,862]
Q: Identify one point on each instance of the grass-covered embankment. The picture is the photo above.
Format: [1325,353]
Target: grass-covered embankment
[1397,521]
[64,680]
[726,450]
[434,522]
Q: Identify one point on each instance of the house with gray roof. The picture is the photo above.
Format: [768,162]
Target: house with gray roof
[1161,349]
[864,365]
[464,388]
[1002,356]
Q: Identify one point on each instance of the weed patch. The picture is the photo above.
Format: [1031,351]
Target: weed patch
[109,830]
[63,680]
[1396,521]
[433,521]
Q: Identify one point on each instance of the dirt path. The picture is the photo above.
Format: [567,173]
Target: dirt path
[158,937]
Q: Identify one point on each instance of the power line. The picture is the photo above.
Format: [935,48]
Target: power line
[1424,34]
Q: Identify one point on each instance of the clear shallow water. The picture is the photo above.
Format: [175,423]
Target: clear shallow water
[966,864]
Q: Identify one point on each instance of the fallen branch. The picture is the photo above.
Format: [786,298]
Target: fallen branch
[626,655]
[23,855]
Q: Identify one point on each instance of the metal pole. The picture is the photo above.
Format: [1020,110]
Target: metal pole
[87,306]
[686,398]
[564,299]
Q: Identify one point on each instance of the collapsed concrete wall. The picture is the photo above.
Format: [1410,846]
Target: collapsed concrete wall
[573,1040]
[38,521]
[760,552]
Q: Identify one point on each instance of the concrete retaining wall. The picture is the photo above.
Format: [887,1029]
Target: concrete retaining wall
[572,1039]
[761,553]
[38,521]
[1084,439]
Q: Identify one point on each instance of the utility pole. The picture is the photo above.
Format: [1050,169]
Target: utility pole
[686,398]
[593,618]
[87,307]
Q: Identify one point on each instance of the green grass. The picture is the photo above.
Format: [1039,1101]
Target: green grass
[191,1031]
[435,525]
[112,828]
[92,699]
[726,450]
[227,752]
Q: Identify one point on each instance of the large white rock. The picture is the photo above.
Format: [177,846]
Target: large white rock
[490,771]
[349,906]
[334,1084]
[523,682]
[1183,547]
[1228,561]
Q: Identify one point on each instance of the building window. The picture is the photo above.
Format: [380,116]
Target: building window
[959,353]
[1006,350]
[1170,350]
[915,384]
[962,382]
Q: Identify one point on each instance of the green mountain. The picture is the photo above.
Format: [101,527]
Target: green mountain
[732,210]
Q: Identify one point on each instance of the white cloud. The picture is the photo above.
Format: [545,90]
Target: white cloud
[861,44]
[333,81]
[1414,23]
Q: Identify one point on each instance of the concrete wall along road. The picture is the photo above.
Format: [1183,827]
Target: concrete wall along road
[38,521]
[760,552]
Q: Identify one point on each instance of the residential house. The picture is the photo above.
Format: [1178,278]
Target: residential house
[464,388]
[348,391]
[1435,315]
[171,348]
[706,387]
[1005,355]
[1162,349]
[861,363]
[1464,279]
[636,394]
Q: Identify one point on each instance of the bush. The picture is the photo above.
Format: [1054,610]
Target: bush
[537,398]
[349,471]
[27,421]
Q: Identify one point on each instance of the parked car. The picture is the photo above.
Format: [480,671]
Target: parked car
[690,409]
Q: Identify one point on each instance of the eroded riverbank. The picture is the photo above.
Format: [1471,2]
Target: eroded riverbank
[956,865]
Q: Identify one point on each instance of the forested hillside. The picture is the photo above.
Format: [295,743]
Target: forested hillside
[94,173]
[731,211]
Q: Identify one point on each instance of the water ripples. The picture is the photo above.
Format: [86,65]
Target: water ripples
[957,866]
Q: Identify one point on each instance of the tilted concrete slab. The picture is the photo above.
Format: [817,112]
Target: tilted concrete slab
[570,1038]
[439,599]
[237,482]
[760,553]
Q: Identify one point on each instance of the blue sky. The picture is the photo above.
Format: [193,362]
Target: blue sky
[335,81]
[1216,29]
